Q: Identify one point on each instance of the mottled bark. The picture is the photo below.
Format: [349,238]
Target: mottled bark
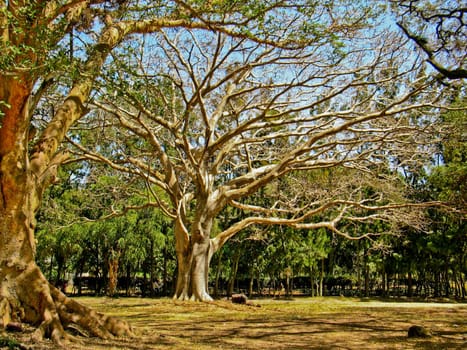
[194,254]
[193,272]
[25,294]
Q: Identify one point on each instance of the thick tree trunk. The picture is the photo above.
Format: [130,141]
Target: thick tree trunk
[193,257]
[193,272]
[25,294]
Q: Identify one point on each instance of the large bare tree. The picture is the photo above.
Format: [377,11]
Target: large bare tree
[61,45]
[207,119]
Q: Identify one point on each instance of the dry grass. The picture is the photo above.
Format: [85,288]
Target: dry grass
[303,323]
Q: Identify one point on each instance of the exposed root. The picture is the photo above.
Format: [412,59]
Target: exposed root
[92,322]
[203,297]
[5,312]
[185,297]
[41,304]
[53,329]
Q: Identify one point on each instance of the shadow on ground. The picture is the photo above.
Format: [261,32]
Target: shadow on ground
[302,324]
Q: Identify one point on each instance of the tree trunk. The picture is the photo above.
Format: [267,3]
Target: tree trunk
[409,284]
[233,273]
[367,279]
[193,257]
[25,294]
[128,279]
[321,279]
[383,281]
[218,274]
[165,275]
[311,276]
[462,283]
[360,266]
[288,288]
[114,257]
[193,270]
[447,285]
[60,267]
[259,284]
[152,269]
[437,284]
[251,284]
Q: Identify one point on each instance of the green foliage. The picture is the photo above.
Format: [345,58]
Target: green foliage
[448,182]
[73,238]
[42,51]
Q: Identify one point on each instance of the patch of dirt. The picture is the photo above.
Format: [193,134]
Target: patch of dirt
[303,323]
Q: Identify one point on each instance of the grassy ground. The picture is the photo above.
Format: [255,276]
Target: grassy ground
[302,323]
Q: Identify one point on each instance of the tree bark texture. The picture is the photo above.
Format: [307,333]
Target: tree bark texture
[25,294]
[113,272]
[194,254]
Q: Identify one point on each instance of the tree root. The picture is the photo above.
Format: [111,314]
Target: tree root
[185,297]
[96,324]
[52,312]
